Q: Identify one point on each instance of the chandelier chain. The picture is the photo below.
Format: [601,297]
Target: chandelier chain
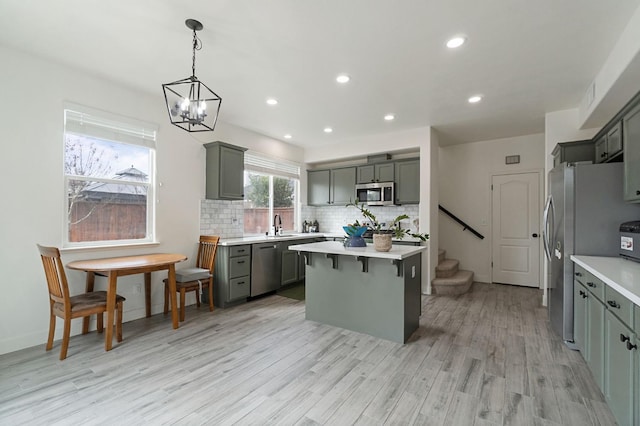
[197,45]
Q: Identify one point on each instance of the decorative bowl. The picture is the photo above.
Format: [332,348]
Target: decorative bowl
[355,231]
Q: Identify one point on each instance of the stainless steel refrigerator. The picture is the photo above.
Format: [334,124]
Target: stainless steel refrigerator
[582,216]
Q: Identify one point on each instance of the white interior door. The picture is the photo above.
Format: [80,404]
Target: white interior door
[516,229]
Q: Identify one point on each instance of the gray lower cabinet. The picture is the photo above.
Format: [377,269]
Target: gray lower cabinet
[407,174]
[619,387]
[224,171]
[595,338]
[289,267]
[293,265]
[631,144]
[232,275]
[606,327]
[580,316]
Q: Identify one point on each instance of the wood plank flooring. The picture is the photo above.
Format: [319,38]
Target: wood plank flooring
[484,358]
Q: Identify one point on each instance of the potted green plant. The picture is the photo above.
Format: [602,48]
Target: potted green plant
[382,235]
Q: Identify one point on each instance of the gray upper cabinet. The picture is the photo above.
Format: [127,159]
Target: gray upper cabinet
[407,178]
[383,172]
[224,171]
[570,152]
[609,145]
[331,187]
[631,144]
[343,185]
[318,184]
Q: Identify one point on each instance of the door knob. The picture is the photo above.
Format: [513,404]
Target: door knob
[534,235]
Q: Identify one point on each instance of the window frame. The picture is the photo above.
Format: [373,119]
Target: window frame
[275,168]
[116,129]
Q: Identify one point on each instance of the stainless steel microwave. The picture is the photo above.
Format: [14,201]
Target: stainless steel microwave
[376,194]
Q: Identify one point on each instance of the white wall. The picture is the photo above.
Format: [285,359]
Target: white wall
[465,189]
[32,190]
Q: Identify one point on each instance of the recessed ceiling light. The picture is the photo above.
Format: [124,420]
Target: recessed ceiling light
[288,136]
[272,101]
[475,99]
[343,78]
[389,117]
[456,42]
[328,130]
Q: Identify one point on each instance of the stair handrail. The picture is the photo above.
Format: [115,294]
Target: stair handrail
[461,222]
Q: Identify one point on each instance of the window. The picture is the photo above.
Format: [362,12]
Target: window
[270,188]
[109,166]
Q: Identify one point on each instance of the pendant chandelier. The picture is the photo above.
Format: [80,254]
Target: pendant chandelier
[192,106]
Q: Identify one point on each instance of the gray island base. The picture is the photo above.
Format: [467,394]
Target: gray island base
[363,290]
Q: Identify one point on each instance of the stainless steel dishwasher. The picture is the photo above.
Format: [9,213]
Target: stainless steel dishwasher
[265,268]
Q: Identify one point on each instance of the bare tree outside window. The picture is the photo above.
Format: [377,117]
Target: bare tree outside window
[106,199]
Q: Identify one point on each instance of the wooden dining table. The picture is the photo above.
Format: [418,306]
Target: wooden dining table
[114,267]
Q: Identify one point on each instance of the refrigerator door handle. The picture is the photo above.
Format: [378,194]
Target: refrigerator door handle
[545,228]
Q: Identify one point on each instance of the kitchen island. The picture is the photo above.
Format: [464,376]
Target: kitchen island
[360,289]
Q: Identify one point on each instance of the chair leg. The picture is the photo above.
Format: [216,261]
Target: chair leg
[52,331]
[166,298]
[65,338]
[182,297]
[210,295]
[119,307]
[100,318]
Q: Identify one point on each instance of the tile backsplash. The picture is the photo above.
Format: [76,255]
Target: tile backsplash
[222,217]
[226,218]
[333,218]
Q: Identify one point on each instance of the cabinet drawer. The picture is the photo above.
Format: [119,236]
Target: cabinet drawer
[579,273]
[239,250]
[620,306]
[239,266]
[594,285]
[239,287]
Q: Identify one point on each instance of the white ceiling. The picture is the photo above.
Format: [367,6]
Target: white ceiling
[526,58]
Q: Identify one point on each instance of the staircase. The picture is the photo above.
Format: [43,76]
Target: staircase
[449,279]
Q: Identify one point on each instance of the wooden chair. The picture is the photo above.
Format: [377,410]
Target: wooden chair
[68,307]
[205,259]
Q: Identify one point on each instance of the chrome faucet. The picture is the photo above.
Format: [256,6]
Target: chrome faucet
[278,228]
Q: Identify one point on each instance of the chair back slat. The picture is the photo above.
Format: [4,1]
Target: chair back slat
[54,273]
[207,252]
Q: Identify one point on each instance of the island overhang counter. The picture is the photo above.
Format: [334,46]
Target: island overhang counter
[361,289]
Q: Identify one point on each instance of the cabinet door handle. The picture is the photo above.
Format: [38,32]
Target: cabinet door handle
[591,285]
[638,192]
[613,304]
[240,261]
[623,338]
[578,274]
[534,235]
[631,346]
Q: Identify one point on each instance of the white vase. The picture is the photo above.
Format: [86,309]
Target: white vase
[382,242]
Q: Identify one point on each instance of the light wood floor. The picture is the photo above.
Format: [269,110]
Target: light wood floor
[484,358]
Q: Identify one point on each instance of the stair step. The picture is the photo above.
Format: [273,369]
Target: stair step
[460,283]
[441,255]
[447,268]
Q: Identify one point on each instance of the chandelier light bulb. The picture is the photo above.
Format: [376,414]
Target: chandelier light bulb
[185,104]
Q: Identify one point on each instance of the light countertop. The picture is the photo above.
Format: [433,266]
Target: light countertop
[290,236]
[397,252]
[621,274]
